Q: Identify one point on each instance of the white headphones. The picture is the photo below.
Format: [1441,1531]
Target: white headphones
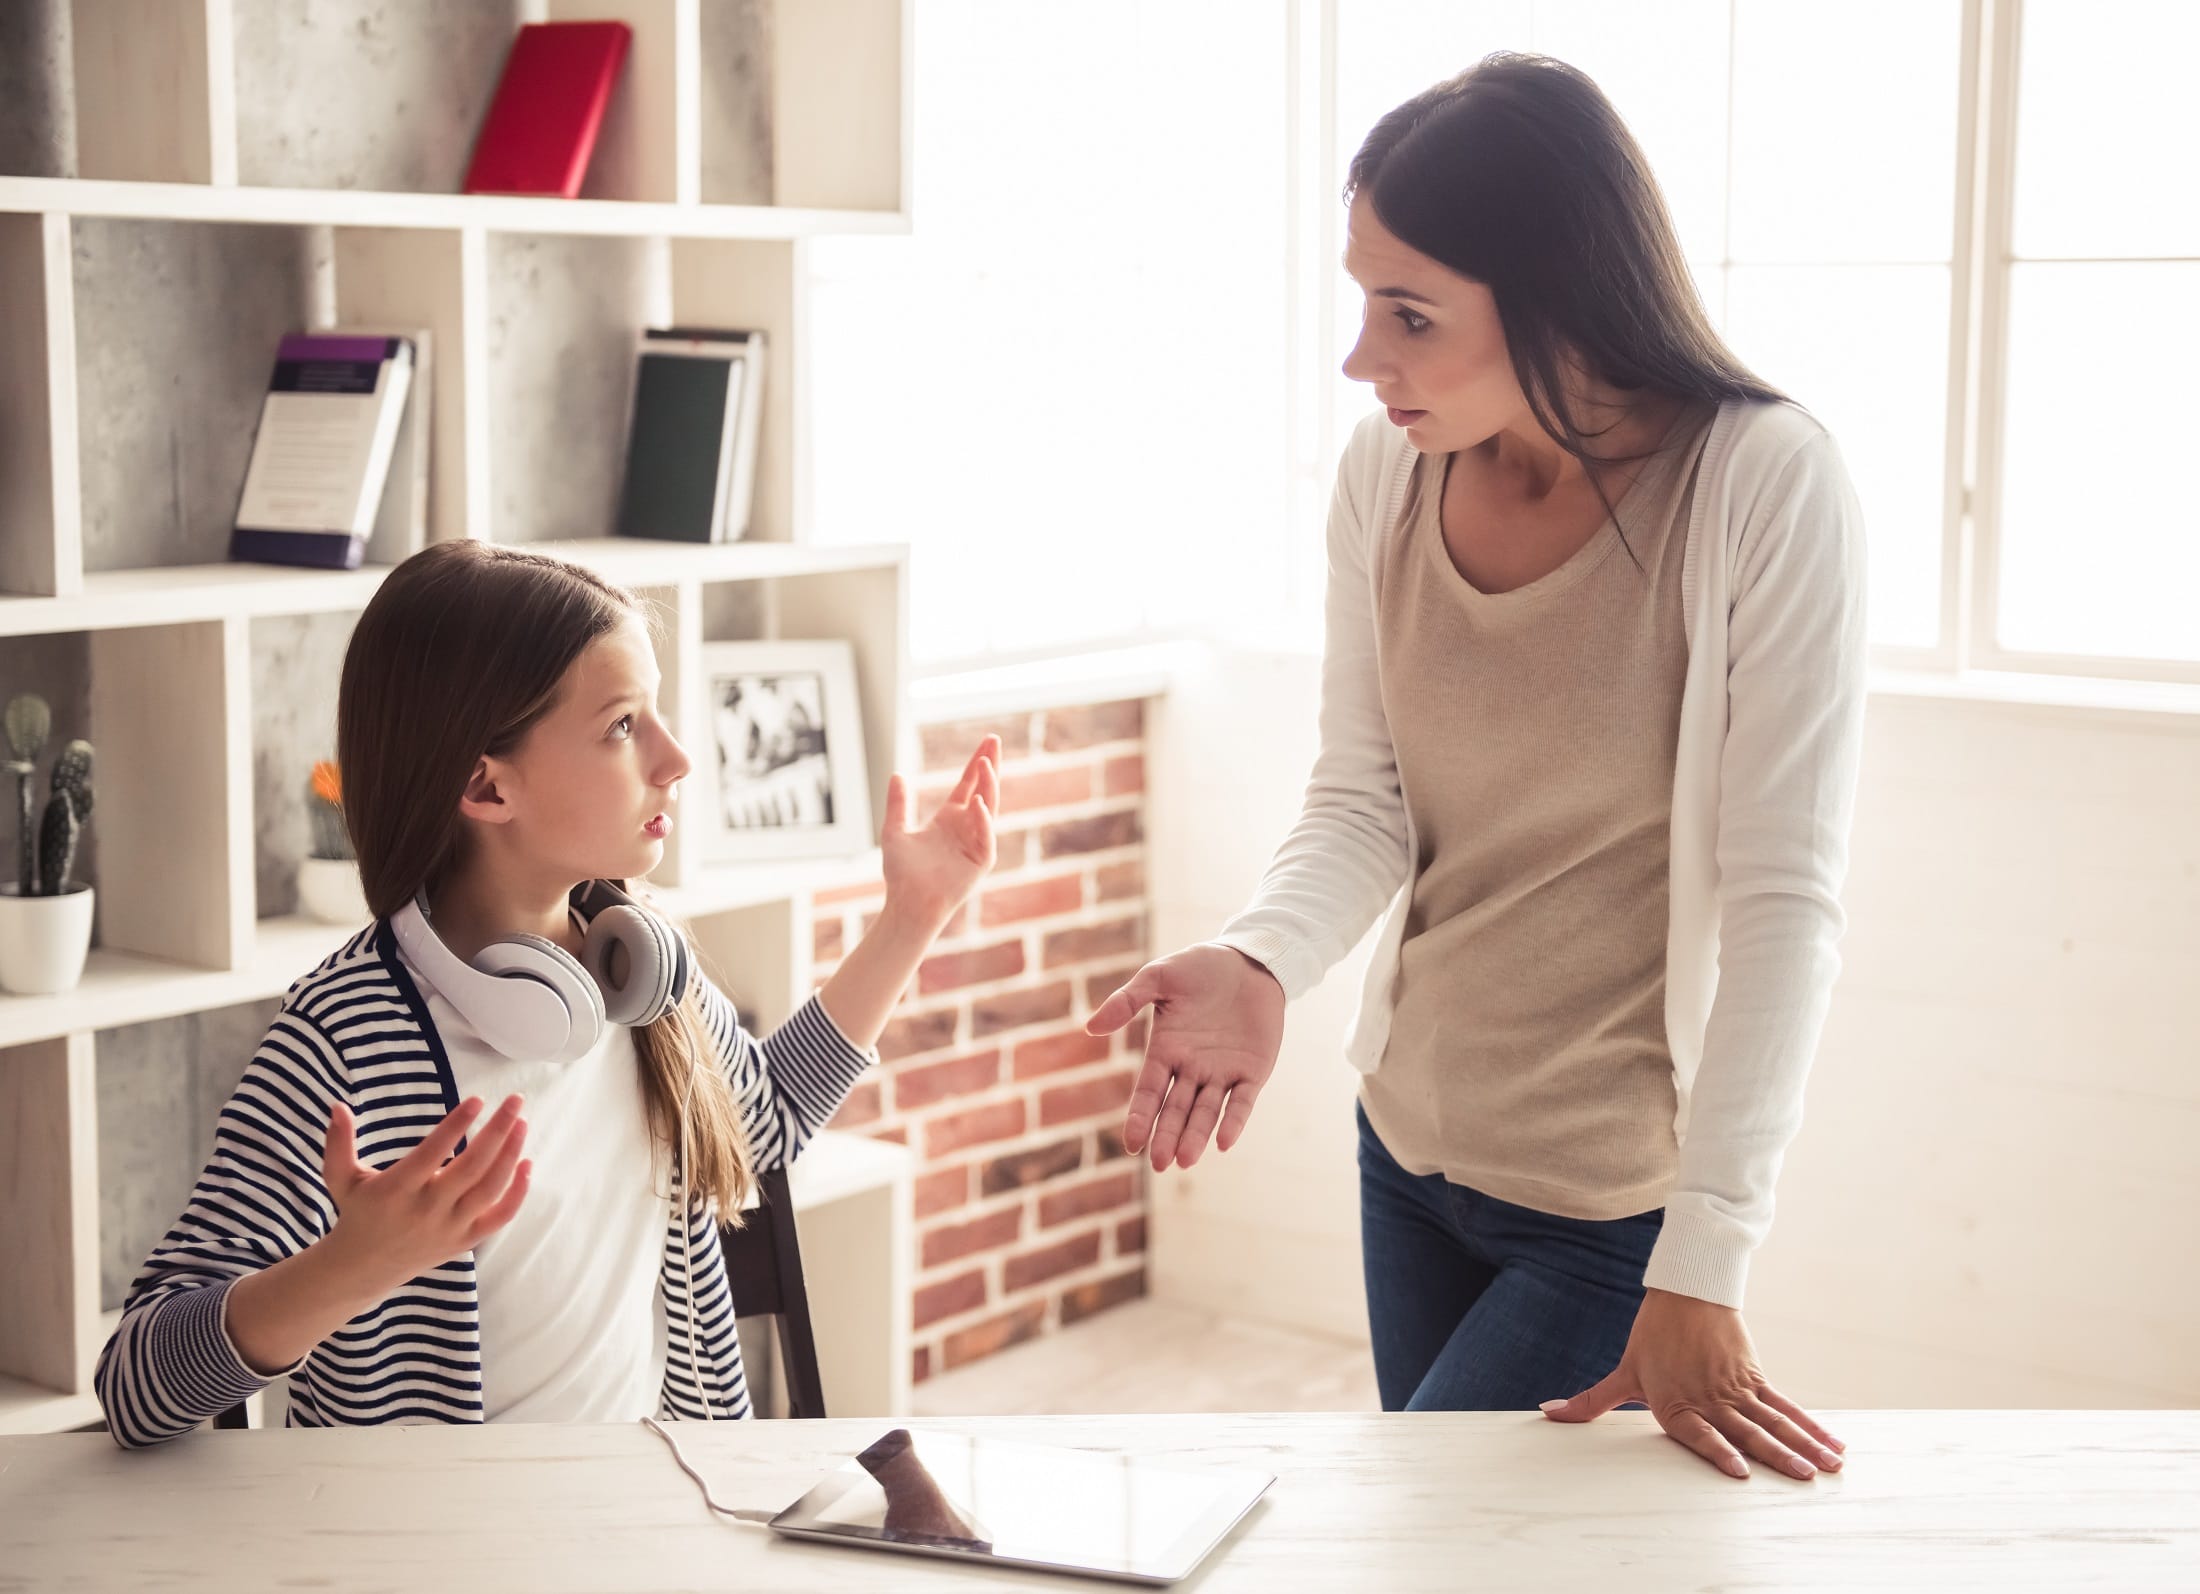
[531,1000]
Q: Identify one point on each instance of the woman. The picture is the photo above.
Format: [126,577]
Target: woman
[1591,706]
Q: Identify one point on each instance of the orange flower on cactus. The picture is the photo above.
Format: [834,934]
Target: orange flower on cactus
[327,784]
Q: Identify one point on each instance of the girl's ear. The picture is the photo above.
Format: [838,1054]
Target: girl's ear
[488,794]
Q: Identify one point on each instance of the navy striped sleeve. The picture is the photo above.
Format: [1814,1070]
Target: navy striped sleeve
[171,1364]
[791,1083]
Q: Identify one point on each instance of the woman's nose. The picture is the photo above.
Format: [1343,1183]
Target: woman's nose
[1358,367]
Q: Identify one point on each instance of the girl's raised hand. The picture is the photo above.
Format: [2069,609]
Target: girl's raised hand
[932,869]
[394,1224]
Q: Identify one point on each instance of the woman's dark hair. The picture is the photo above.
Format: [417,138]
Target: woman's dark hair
[1518,174]
[460,653]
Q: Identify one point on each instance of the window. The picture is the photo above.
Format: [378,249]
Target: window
[1808,155]
[1097,389]
[1066,388]
[2098,552]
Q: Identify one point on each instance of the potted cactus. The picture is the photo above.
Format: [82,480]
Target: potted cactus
[328,875]
[45,912]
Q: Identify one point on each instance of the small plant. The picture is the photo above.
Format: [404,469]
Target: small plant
[325,808]
[46,851]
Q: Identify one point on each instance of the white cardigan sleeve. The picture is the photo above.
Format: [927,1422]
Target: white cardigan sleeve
[1796,658]
[1345,858]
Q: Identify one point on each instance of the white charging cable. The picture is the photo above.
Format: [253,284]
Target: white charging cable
[742,1513]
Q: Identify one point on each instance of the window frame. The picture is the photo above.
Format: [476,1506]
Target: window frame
[1981,261]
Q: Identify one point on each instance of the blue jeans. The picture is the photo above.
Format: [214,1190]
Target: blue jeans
[1480,1305]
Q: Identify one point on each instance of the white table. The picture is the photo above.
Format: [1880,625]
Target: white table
[1946,1501]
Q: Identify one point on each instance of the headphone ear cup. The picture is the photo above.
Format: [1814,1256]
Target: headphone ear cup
[533,960]
[656,964]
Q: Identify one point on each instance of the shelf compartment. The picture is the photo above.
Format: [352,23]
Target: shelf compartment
[866,606]
[42,552]
[297,662]
[177,327]
[159,1091]
[155,90]
[49,1215]
[840,84]
[163,707]
[563,316]
[169,717]
[364,94]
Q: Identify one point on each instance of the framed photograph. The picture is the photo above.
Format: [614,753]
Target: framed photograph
[783,773]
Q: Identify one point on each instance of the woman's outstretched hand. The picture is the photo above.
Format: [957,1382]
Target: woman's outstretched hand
[1691,1362]
[1217,1026]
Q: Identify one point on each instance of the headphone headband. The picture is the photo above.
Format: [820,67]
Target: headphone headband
[532,1000]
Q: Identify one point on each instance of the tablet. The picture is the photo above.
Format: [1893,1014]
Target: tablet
[1056,1510]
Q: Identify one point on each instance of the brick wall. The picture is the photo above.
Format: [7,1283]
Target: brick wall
[1028,1214]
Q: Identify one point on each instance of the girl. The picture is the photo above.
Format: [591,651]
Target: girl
[1591,703]
[361,1229]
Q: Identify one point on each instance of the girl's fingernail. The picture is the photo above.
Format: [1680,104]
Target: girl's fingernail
[1551,1405]
[1830,1461]
[1802,1468]
[1737,1466]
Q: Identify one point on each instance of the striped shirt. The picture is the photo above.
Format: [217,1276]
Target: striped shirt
[356,1030]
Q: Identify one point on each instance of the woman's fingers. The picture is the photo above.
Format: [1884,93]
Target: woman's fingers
[1124,1005]
[1798,1439]
[421,1163]
[1168,1129]
[1206,1112]
[1809,1424]
[1242,1097]
[1145,1103]
[1689,1427]
[1746,1436]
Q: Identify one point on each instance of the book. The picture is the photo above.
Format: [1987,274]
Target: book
[750,345]
[401,524]
[548,108]
[321,456]
[691,444]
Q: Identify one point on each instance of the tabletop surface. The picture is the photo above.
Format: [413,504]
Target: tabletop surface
[1471,1501]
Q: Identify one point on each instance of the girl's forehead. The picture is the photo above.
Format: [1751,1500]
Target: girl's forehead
[621,656]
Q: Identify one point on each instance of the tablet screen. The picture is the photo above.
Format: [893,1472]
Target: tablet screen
[1034,1505]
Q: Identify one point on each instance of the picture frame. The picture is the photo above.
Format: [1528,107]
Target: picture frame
[781,768]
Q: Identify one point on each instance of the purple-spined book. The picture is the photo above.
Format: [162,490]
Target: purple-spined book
[322,454]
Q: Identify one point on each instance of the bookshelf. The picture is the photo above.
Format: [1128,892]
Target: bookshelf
[232,170]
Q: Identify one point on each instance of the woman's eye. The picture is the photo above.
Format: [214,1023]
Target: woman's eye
[623,726]
[1413,323]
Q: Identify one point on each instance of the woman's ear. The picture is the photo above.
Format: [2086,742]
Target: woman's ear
[488,793]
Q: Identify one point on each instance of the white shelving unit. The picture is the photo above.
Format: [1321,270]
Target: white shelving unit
[165,626]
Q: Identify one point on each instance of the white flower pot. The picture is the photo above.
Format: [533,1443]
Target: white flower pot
[43,940]
[329,890]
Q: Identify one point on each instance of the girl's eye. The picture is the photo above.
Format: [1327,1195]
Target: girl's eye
[624,726]
[1413,323]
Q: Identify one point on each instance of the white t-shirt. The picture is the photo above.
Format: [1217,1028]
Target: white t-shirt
[572,1303]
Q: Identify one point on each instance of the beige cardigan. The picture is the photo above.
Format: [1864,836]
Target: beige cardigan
[1770,735]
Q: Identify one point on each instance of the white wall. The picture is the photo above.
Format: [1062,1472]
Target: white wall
[1994,1196]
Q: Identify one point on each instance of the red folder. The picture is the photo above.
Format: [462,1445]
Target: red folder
[542,125]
